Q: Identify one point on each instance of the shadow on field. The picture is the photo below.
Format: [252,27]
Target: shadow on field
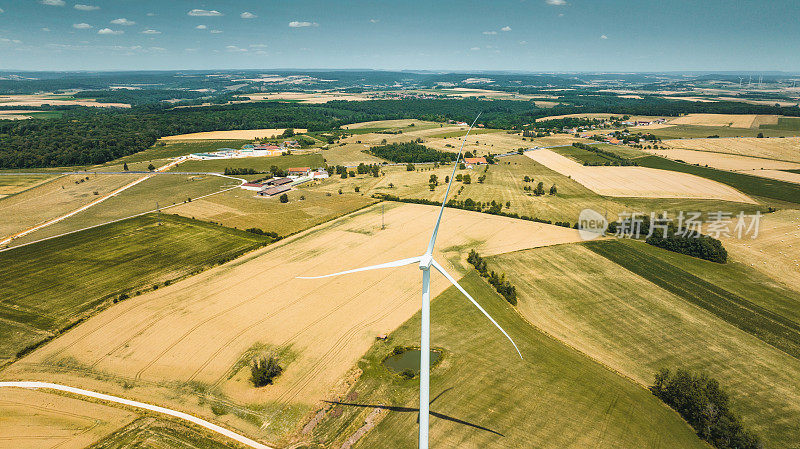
[394,408]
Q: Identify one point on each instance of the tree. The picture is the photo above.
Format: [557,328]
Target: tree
[288,132]
[263,371]
[447,179]
[357,189]
[344,174]
[760,135]
[539,189]
[125,166]
[434,180]
[151,167]
[553,190]
[410,167]
[284,198]
[467,179]
[527,178]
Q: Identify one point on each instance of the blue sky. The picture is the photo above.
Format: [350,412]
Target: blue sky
[526,35]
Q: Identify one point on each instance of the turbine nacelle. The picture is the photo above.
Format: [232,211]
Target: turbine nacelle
[425,261]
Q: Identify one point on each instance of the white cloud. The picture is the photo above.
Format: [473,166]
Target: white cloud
[216,31]
[556,2]
[46,30]
[475,48]
[1,11]
[604,37]
[235,49]
[151,31]
[489,33]
[81,26]
[6,40]
[523,42]
[200,27]
[159,49]
[258,45]
[52,2]
[374,20]
[296,24]
[151,14]
[247,15]
[123,21]
[80,7]
[204,13]
[505,28]
[109,31]
[561,14]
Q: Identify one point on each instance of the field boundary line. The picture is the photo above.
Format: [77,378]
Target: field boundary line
[242,181]
[153,408]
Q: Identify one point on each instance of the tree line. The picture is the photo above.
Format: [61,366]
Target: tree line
[667,235]
[499,282]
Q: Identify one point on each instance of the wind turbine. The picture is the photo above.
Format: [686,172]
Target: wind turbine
[425,262]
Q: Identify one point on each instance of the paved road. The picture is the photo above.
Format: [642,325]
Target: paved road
[153,408]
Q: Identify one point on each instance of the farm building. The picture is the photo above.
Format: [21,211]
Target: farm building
[274,190]
[278,181]
[319,174]
[252,186]
[475,160]
[298,171]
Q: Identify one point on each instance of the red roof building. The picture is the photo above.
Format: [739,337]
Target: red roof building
[298,170]
[475,160]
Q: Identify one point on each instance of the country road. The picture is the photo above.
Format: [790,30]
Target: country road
[153,408]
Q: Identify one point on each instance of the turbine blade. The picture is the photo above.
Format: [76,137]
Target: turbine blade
[447,192]
[453,281]
[396,263]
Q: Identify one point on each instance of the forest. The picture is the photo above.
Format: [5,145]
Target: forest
[83,136]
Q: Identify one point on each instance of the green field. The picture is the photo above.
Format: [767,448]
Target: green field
[462,133]
[751,185]
[785,124]
[309,205]
[775,329]
[484,396]
[260,164]
[698,131]
[583,156]
[153,433]
[636,327]
[47,286]
[12,184]
[160,190]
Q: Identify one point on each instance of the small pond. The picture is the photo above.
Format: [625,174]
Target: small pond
[408,360]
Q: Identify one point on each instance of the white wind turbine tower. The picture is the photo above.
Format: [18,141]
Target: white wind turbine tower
[425,262]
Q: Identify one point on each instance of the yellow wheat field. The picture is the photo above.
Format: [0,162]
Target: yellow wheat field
[781,148]
[33,419]
[639,182]
[731,120]
[765,168]
[775,251]
[191,334]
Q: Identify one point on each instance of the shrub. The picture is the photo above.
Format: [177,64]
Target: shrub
[284,198]
[263,371]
